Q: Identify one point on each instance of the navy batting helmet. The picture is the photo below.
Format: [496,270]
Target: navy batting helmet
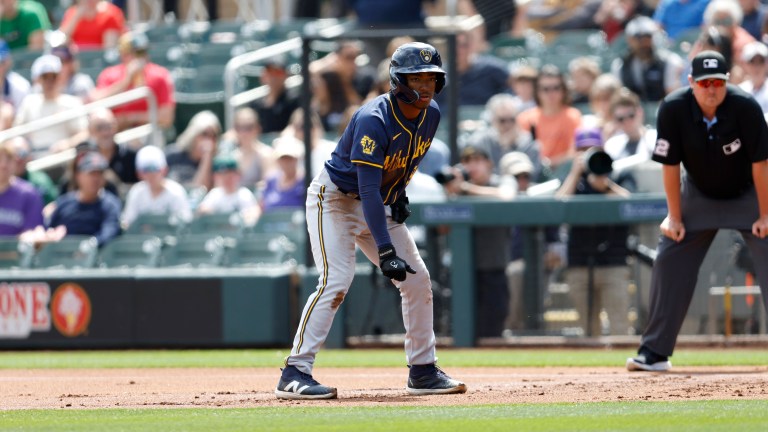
[414,57]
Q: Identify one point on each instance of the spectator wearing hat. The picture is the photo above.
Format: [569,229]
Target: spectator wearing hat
[285,188]
[755,13]
[102,127]
[74,82]
[475,178]
[15,86]
[136,70]
[89,210]
[523,83]
[596,254]
[21,205]
[154,193]
[647,69]
[227,196]
[276,108]
[23,24]
[39,179]
[754,59]
[93,24]
[60,136]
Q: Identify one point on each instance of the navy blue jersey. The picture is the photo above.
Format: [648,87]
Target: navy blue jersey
[379,135]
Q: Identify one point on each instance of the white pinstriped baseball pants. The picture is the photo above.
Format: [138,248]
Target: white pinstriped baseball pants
[336,223]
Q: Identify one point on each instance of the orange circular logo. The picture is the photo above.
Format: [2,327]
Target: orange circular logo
[70,309]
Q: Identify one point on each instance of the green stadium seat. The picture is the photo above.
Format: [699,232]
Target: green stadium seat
[73,251]
[290,223]
[195,250]
[132,250]
[260,249]
[14,254]
[189,104]
[508,48]
[221,223]
[156,224]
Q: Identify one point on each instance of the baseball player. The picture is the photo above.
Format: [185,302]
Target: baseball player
[359,198]
[718,133]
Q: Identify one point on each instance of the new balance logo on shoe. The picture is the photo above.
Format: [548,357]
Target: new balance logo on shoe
[296,387]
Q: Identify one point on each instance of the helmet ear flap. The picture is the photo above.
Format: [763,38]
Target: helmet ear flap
[401,90]
[440,84]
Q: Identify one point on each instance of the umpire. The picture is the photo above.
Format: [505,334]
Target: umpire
[719,134]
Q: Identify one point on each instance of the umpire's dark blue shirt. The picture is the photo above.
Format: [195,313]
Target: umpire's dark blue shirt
[379,135]
[717,160]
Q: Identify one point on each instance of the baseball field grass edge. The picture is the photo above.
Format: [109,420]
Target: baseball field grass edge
[691,416]
[366,358]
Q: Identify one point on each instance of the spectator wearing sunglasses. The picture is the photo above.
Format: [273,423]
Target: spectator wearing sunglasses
[754,58]
[647,68]
[50,101]
[190,159]
[102,127]
[717,132]
[634,137]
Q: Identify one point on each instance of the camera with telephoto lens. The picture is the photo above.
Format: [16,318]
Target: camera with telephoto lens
[445,175]
[598,162]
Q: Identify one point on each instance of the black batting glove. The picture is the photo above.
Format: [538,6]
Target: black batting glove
[391,265]
[400,209]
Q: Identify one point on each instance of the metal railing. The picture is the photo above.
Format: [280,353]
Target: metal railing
[56,159]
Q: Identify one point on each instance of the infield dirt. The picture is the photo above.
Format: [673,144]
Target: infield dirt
[253,387]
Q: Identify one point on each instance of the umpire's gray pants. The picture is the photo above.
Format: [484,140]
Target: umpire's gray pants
[676,268]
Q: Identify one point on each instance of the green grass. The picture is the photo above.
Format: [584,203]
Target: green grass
[365,358]
[742,416]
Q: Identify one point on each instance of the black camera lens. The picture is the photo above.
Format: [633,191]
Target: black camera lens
[598,162]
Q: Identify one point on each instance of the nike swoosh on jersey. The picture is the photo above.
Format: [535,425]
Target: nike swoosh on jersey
[395,137]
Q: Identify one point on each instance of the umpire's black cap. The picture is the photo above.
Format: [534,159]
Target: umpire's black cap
[709,65]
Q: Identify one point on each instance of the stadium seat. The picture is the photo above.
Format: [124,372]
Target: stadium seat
[195,250]
[14,254]
[168,32]
[507,47]
[131,250]
[260,249]
[156,224]
[290,223]
[221,223]
[73,251]
[189,104]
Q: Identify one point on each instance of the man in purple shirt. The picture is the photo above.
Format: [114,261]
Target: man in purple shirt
[21,205]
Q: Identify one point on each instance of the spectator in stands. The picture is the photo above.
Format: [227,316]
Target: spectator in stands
[227,196]
[321,147]
[755,60]
[75,82]
[677,16]
[635,138]
[553,121]
[596,253]
[21,205]
[340,83]
[612,16]
[727,16]
[479,77]
[254,156]
[38,179]
[93,24]
[155,194]
[68,180]
[88,210]
[190,158]
[491,244]
[57,137]
[755,13]
[716,38]
[23,24]
[504,135]
[583,71]
[523,85]
[285,187]
[647,69]
[136,70]
[15,86]
[603,89]
[276,107]
[102,127]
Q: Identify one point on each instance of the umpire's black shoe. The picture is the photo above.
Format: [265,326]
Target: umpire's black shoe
[430,380]
[295,384]
[649,361]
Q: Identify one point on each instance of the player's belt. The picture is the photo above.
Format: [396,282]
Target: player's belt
[349,194]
